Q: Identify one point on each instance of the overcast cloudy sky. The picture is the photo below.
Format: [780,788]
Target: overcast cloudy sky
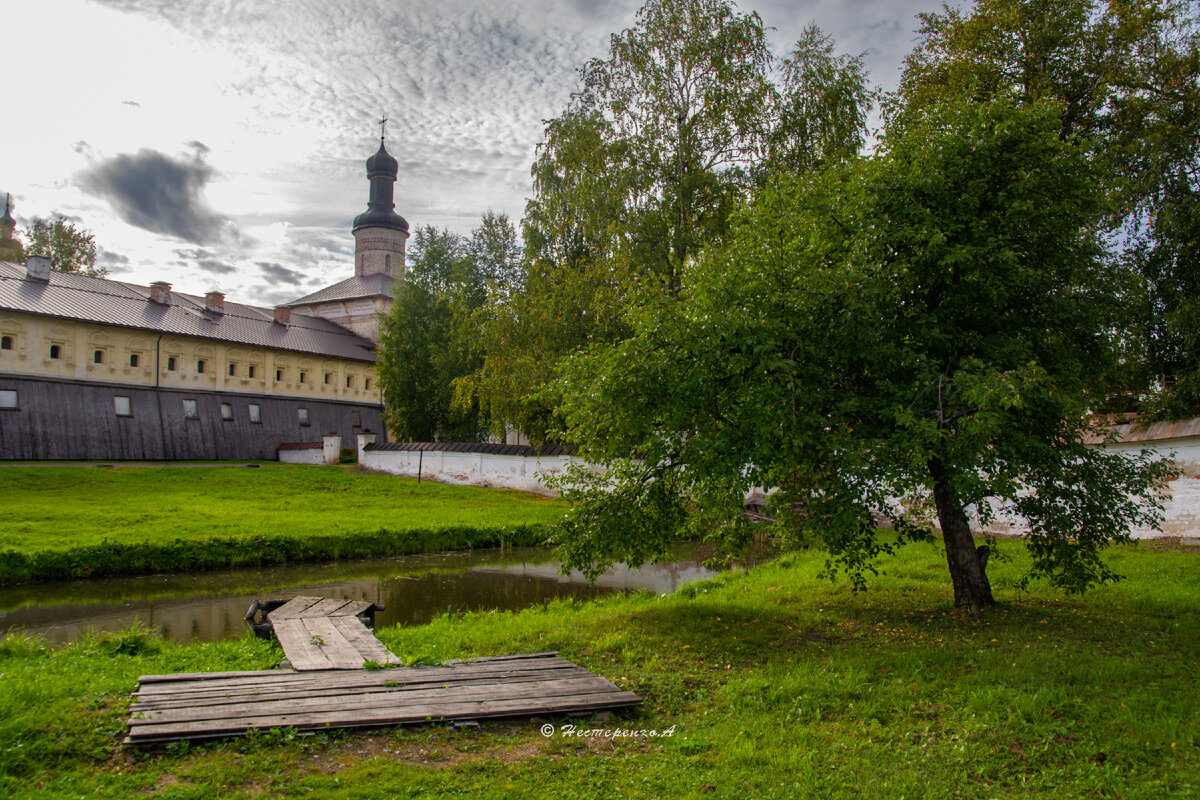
[219,144]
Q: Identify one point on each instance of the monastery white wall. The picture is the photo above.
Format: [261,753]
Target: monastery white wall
[523,473]
[1181,511]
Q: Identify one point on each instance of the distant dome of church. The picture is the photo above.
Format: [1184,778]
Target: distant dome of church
[382,162]
[381,172]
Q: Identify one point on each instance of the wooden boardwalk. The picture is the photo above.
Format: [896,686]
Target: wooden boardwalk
[317,634]
[196,706]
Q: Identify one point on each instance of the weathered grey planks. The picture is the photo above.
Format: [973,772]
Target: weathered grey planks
[319,633]
[232,704]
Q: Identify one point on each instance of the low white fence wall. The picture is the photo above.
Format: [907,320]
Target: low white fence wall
[505,466]
[525,468]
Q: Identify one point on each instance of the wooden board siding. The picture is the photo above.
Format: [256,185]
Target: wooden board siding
[170,708]
[59,419]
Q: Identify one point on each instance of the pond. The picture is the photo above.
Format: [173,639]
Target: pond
[412,589]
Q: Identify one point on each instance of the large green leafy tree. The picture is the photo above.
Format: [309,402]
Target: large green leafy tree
[664,138]
[903,338]
[422,349]
[69,248]
[1125,75]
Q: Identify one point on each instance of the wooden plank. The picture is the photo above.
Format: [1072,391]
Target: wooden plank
[301,692]
[208,676]
[314,688]
[325,608]
[286,675]
[274,677]
[373,717]
[394,699]
[353,608]
[293,608]
[370,648]
[296,641]
[332,644]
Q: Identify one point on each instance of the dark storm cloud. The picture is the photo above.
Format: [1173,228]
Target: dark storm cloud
[161,193]
[115,263]
[204,260]
[279,274]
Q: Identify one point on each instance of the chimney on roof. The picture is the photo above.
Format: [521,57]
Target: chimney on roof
[37,268]
[160,292]
[283,315]
[215,302]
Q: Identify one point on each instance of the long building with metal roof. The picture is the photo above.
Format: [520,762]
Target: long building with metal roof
[92,368]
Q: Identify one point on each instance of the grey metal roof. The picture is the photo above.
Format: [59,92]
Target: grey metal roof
[349,289]
[106,302]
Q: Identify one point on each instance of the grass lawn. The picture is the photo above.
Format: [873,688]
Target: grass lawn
[776,684]
[80,521]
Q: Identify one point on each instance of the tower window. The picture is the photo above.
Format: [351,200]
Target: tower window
[387,261]
[6,343]
[55,351]
[134,359]
[200,367]
[98,357]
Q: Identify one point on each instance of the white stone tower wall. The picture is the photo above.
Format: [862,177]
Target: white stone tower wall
[379,250]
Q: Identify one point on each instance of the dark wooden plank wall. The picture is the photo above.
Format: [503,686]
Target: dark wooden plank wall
[69,420]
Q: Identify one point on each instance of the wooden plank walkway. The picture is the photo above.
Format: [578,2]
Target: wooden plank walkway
[196,706]
[319,633]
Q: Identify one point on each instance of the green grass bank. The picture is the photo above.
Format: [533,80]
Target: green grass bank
[776,684]
[64,522]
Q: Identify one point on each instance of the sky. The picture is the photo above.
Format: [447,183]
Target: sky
[220,144]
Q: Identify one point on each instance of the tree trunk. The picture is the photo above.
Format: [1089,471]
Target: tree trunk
[971,586]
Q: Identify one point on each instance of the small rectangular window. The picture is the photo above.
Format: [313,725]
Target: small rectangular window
[226,412]
[233,369]
[302,377]
[303,415]
[121,406]
[97,356]
[279,376]
[255,413]
[6,343]
[250,371]
[200,367]
[170,363]
[327,377]
[366,383]
[189,410]
[356,419]
[134,359]
[8,398]
[349,381]
[55,351]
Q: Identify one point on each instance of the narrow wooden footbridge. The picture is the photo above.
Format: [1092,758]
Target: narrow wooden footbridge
[341,676]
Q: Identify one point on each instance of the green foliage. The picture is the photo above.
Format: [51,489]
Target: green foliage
[778,684]
[934,322]
[69,248]
[1127,77]
[644,168]
[424,339]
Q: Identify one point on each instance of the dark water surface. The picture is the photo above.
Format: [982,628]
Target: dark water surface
[413,589]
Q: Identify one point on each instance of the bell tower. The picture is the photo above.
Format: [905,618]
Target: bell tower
[379,232]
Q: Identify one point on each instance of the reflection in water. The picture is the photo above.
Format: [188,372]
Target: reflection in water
[413,590]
